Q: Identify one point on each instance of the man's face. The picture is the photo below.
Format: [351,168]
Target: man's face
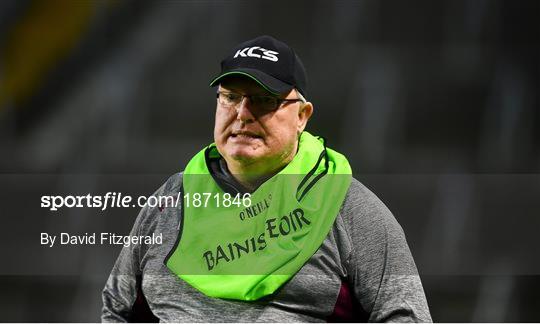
[251,140]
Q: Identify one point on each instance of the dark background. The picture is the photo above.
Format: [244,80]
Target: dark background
[435,103]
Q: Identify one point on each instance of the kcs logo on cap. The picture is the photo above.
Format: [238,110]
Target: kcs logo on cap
[267,54]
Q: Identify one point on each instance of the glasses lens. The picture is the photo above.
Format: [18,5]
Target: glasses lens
[229,99]
[264,103]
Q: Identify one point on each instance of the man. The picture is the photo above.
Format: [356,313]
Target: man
[271,225]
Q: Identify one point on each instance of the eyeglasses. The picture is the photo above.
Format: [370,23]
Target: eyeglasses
[261,104]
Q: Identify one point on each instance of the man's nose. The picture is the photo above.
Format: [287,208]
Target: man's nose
[243,110]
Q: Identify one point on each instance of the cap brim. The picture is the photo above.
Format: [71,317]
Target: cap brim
[266,81]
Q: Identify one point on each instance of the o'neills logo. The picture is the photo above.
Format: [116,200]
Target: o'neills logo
[257,52]
[274,228]
[255,209]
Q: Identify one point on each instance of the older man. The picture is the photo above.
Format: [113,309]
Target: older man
[271,225]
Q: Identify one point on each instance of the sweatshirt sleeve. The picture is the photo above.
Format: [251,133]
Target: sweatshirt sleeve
[380,266]
[122,296]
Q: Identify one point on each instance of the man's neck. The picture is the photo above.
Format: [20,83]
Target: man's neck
[252,177]
[251,174]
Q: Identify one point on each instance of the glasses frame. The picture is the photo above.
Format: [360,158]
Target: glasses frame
[279,101]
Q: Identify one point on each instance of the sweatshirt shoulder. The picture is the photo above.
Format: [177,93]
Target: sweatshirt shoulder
[359,199]
[149,216]
[363,212]
[172,185]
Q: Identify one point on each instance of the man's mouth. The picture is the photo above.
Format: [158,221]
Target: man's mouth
[244,134]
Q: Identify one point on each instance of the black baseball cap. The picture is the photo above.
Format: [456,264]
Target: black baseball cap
[269,62]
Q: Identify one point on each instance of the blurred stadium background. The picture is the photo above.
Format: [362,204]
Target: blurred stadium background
[436,104]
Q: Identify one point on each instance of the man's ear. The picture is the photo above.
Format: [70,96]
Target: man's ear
[304,113]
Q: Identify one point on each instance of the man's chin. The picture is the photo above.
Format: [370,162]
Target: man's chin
[243,155]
